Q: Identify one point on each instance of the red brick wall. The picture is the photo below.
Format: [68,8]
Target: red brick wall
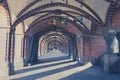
[98,46]
[80,47]
[116,19]
[93,47]
[86,47]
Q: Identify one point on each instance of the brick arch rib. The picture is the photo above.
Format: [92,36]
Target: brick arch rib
[116,3]
[63,12]
[79,1]
[90,9]
[34,11]
[110,13]
[5,5]
[76,25]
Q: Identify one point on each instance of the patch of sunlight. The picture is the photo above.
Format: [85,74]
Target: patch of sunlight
[38,71]
[53,54]
[4,77]
[65,73]
[55,51]
[115,45]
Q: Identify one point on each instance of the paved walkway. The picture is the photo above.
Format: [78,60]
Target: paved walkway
[64,69]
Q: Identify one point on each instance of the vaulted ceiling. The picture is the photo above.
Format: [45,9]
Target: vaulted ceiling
[91,10]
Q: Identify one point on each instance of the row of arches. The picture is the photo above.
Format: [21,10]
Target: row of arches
[40,37]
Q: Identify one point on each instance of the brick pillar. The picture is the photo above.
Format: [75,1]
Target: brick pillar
[80,48]
[111,61]
[28,49]
[18,59]
[3,52]
[109,35]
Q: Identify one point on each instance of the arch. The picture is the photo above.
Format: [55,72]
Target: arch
[114,2]
[90,9]
[114,6]
[43,32]
[62,38]
[83,30]
[49,37]
[5,20]
[4,33]
[4,16]
[67,14]
[79,1]
[34,11]
[110,13]
[54,40]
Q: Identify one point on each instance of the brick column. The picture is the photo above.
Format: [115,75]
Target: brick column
[111,61]
[18,59]
[3,52]
[80,48]
[109,35]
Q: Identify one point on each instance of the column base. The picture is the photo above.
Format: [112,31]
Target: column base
[111,63]
[18,64]
[4,71]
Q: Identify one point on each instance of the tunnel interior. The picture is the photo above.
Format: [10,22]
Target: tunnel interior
[67,33]
[33,30]
[53,39]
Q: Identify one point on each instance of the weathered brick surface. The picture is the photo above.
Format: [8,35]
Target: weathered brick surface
[98,47]
[3,17]
[94,47]
[116,19]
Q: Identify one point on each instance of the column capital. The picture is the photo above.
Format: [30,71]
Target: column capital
[109,35]
[6,27]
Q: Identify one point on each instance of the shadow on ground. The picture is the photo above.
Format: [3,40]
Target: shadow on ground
[41,67]
[92,73]
[47,73]
[61,64]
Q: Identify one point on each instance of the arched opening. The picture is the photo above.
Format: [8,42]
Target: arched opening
[54,43]
[4,33]
[36,42]
[62,35]
[52,39]
[117,43]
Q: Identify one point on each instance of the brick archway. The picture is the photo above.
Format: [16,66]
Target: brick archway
[5,21]
[112,18]
[34,12]
[116,3]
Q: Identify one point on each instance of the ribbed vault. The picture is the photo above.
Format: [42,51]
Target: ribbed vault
[30,19]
